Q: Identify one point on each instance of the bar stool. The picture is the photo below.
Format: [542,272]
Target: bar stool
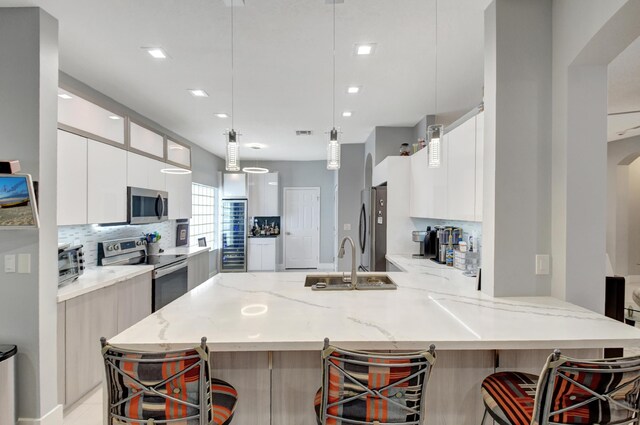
[568,391]
[173,387]
[373,388]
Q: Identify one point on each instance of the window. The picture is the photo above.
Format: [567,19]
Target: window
[204,220]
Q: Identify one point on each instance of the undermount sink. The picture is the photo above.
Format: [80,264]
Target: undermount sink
[334,282]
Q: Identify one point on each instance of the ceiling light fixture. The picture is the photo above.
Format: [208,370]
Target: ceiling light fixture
[156,52]
[256,146]
[198,93]
[222,115]
[255,170]
[347,114]
[64,96]
[435,132]
[114,117]
[179,171]
[364,49]
[232,160]
[353,90]
[333,148]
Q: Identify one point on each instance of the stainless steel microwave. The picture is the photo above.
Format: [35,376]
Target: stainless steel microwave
[147,206]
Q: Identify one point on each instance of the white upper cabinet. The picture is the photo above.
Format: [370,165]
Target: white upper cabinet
[180,199]
[418,202]
[107,183]
[479,166]
[72,179]
[263,195]
[78,113]
[145,172]
[461,172]
[145,140]
[234,185]
[178,154]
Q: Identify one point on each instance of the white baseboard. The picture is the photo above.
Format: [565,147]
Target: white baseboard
[54,417]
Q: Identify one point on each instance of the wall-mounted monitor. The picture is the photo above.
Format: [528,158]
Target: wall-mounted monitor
[18,208]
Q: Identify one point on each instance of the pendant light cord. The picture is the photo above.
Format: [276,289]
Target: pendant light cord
[334,63]
[233,115]
[436,73]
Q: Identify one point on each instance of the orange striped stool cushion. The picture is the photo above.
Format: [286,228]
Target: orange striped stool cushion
[509,397]
[225,398]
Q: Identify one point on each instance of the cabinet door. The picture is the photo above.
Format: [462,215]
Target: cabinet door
[253,192]
[179,188]
[61,337]
[137,170]
[270,197]
[157,179]
[146,140]
[419,184]
[254,255]
[269,255]
[88,317]
[72,179]
[479,165]
[461,171]
[134,300]
[107,184]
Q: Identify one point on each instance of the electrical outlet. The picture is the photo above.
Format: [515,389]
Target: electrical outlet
[10,263]
[542,265]
[347,226]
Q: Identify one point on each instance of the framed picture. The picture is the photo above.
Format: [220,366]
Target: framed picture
[202,241]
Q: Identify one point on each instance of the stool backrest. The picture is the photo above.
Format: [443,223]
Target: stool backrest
[573,391]
[158,388]
[374,388]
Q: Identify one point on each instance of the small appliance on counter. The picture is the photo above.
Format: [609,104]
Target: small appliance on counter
[70,263]
[420,237]
[169,277]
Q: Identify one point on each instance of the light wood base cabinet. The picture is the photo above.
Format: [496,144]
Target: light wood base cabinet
[81,323]
[198,271]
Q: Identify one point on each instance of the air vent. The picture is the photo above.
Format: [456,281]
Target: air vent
[303,132]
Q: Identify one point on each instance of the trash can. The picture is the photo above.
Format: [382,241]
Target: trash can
[8,384]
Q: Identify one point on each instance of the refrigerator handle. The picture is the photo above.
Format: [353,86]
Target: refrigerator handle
[362,226]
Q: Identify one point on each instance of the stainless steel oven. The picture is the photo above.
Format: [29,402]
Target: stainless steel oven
[169,283]
[147,206]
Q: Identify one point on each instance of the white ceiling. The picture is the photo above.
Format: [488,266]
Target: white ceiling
[283,66]
[624,93]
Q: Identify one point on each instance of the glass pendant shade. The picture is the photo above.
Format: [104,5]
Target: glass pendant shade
[434,134]
[333,151]
[233,156]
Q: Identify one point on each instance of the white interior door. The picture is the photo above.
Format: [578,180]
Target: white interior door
[301,227]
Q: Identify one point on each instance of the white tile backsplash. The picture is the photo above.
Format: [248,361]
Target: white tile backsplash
[90,234]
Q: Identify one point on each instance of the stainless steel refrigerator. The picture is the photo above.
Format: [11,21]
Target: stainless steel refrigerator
[233,257]
[373,229]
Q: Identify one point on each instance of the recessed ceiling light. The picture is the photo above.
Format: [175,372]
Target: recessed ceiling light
[156,52]
[365,49]
[114,117]
[256,146]
[198,93]
[347,114]
[222,115]
[64,96]
[353,89]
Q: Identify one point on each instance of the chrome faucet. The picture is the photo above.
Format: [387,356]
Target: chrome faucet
[354,275]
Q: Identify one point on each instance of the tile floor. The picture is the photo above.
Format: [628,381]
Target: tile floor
[88,413]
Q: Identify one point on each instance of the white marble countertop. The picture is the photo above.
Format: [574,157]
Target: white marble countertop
[95,278]
[275,312]
[189,251]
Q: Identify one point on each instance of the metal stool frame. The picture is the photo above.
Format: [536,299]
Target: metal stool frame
[111,368]
[424,363]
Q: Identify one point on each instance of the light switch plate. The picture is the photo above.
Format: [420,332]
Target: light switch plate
[347,226]
[24,263]
[10,263]
[542,265]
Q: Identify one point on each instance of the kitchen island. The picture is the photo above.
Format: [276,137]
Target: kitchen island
[265,332]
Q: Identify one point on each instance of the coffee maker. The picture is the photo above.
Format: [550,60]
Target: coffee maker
[420,237]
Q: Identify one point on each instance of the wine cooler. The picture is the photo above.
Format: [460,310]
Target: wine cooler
[233,257]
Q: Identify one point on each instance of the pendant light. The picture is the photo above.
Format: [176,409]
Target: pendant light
[333,148]
[232,160]
[435,132]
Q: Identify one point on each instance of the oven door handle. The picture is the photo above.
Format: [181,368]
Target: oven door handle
[168,270]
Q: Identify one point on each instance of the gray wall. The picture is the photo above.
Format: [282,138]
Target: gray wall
[389,139]
[28,115]
[307,174]
[350,183]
